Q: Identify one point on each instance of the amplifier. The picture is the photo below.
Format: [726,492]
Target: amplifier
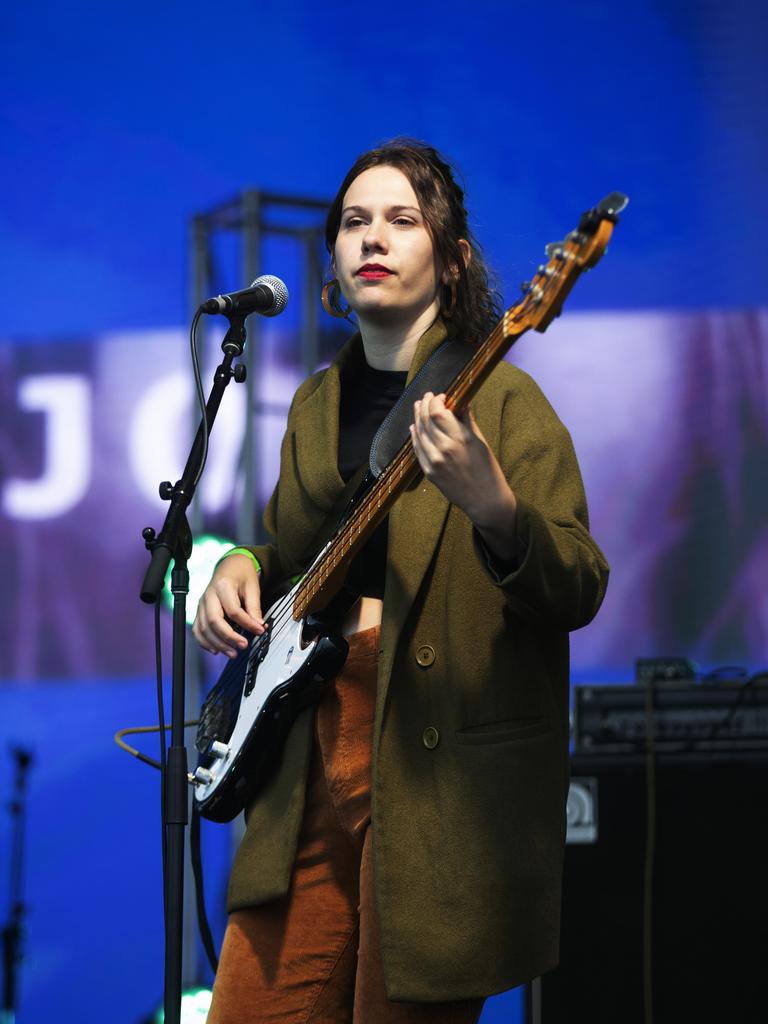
[710,892]
[686,717]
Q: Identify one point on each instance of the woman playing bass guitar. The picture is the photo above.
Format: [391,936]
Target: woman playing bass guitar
[404,860]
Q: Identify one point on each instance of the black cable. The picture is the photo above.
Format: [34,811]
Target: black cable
[726,672]
[744,689]
[197,870]
[162,728]
[205,929]
[200,394]
[194,836]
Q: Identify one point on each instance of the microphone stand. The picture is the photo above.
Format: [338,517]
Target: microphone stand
[175,542]
[13,931]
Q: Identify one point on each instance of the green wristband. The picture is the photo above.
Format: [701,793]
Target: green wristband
[241,551]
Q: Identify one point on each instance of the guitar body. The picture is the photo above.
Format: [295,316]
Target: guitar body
[249,712]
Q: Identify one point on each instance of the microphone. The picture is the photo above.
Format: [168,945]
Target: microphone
[267,295]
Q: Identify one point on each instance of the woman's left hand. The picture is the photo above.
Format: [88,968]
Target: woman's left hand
[455,456]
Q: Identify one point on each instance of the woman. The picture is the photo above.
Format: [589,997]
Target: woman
[404,861]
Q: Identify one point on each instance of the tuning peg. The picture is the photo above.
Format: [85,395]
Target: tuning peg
[555,250]
[612,205]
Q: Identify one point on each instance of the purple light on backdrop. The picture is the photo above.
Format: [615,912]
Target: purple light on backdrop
[667,411]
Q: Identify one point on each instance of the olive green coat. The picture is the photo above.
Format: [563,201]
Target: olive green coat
[468,831]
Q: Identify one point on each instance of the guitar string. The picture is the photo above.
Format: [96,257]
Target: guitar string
[560,269]
[355,528]
[403,462]
[404,459]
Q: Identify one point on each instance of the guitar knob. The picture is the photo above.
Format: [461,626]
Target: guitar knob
[203,776]
[219,749]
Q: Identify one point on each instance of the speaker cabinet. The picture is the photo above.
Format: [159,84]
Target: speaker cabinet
[710,893]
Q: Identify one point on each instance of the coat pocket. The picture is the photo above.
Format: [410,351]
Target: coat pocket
[504,732]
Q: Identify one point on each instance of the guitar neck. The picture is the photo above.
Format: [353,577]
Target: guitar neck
[326,576]
[541,303]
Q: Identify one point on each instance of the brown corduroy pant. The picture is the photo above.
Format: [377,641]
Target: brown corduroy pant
[313,957]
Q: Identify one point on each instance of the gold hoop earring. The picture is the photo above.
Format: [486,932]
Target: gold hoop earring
[331,300]
[448,310]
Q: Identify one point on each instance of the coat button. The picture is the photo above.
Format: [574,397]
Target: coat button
[425,655]
[431,737]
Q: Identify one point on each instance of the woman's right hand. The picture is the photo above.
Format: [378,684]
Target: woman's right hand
[232,597]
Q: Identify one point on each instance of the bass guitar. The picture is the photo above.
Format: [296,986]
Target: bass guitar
[251,708]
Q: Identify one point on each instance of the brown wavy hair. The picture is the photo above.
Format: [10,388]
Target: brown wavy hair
[441,200]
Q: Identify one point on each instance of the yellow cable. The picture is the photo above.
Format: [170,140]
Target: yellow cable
[139,729]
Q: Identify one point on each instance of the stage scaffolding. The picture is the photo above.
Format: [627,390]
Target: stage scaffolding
[255,216]
[251,220]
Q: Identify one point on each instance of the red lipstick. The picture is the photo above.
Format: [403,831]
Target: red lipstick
[373,271]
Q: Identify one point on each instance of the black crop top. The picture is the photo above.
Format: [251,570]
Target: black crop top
[366,399]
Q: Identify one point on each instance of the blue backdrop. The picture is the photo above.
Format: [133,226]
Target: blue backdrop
[120,123]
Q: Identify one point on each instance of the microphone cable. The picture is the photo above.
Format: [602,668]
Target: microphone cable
[200,395]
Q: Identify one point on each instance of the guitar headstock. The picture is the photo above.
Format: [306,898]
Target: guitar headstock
[543,297]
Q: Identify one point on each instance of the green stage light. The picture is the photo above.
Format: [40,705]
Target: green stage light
[207,549]
[195,1004]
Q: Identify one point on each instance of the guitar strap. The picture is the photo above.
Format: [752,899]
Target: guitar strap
[435,375]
